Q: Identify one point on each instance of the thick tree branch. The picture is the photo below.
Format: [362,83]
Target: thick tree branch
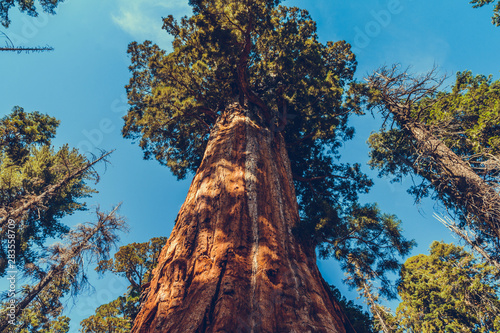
[243,81]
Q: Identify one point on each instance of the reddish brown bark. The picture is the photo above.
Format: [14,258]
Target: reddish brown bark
[232,263]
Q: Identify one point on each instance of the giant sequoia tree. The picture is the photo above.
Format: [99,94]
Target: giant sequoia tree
[252,102]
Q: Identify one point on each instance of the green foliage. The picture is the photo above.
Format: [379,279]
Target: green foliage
[269,57]
[176,98]
[448,291]
[367,243]
[385,320]
[62,272]
[496,11]
[134,261]
[471,114]
[361,320]
[25,6]
[20,130]
[43,315]
[467,120]
[109,318]
[39,185]
[35,180]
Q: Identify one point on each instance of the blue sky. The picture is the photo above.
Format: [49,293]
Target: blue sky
[82,84]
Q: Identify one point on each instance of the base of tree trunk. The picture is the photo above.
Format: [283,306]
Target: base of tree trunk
[232,263]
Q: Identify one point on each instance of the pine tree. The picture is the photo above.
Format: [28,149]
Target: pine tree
[65,272]
[450,139]
[44,313]
[470,238]
[39,184]
[448,291]
[257,107]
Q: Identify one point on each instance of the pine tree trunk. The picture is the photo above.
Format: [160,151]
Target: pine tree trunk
[232,263]
[456,178]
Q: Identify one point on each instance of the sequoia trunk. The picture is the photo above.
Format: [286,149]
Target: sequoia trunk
[232,263]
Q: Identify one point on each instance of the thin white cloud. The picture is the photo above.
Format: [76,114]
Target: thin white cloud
[142,19]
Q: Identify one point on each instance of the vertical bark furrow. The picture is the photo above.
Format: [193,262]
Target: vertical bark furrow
[251,150]
[286,221]
[216,295]
[232,263]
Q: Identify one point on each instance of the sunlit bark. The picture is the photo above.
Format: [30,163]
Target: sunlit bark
[232,263]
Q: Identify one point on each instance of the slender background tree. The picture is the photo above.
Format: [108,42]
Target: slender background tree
[39,184]
[65,272]
[449,138]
